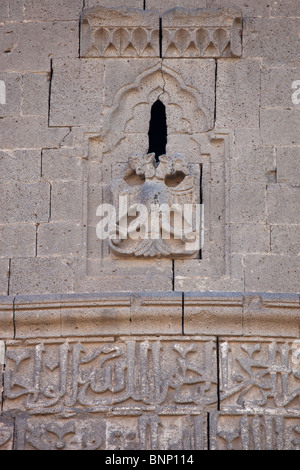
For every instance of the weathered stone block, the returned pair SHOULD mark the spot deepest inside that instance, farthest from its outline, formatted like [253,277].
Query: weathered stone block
[250,431]
[248,203]
[75,96]
[280,126]
[35,94]
[62,164]
[247,370]
[113,432]
[250,8]
[252,163]
[201,33]
[59,238]
[212,313]
[286,8]
[119,32]
[250,238]
[129,374]
[276,87]
[238,93]
[17,240]
[30,132]
[66,201]
[4,274]
[62,10]
[169,4]
[37,316]
[13,94]
[283,204]
[268,39]
[271,273]
[41,275]
[271,315]
[288,165]
[6,321]
[285,239]
[115,3]
[30,46]
[20,166]
[156,314]
[16,10]
[6,433]
[28,202]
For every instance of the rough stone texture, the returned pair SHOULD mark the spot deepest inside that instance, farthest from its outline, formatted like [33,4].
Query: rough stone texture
[283,204]
[62,164]
[262,271]
[250,238]
[30,46]
[7,322]
[285,239]
[24,202]
[6,433]
[201,33]
[169,4]
[250,431]
[32,275]
[115,3]
[276,86]
[20,166]
[66,201]
[62,10]
[76,83]
[13,88]
[64,238]
[250,8]
[248,203]
[280,126]
[274,40]
[4,275]
[255,163]
[30,132]
[35,94]
[238,88]
[119,32]
[288,165]
[17,240]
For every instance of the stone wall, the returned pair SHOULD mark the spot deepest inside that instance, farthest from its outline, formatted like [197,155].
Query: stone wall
[99,351]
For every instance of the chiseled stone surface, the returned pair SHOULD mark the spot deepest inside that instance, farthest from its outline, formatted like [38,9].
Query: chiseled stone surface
[101,352]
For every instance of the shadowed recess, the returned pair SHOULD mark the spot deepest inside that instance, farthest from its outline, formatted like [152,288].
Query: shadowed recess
[158,130]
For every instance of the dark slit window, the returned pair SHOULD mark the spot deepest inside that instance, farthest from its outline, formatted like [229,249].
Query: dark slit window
[158,130]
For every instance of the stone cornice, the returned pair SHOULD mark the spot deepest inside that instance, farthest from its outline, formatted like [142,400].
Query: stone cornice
[153,313]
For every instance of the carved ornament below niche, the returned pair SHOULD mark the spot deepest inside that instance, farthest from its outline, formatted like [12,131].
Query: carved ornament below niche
[157,210]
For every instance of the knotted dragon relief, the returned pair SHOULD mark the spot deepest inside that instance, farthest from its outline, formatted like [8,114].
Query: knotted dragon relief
[157,214]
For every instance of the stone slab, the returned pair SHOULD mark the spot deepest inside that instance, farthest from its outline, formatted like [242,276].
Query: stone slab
[288,165]
[62,10]
[66,201]
[285,239]
[238,93]
[250,8]
[59,238]
[247,370]
[36,88]
[250,238]
[253,163]
[4,276]
[63,164]
[6,318]
[75,96]
[13,94]
[283,204]
[113,432]
[271,273]
[41,275]
[17,240]
[277,87]
[248,203]
[20,166]
[267,38]
[29,46]
[30,133]
[170,4]
[253,431]
[27,202]
[213,313]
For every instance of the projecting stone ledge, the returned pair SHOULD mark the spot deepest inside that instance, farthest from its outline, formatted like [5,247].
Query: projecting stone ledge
[131,32]
[153,313]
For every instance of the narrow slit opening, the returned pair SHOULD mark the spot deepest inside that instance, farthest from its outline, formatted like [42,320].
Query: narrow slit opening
[158,130]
